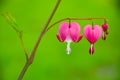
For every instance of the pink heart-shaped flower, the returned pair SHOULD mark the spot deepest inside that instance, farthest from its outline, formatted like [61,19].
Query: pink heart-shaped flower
[105,31]
[69,32]
[92,34]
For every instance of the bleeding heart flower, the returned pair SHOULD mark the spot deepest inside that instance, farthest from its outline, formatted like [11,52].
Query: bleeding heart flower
[105,31]
[92,34]
[105,27]
[69,32]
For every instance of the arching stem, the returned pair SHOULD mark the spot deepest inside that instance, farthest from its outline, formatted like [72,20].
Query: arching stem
[59,21]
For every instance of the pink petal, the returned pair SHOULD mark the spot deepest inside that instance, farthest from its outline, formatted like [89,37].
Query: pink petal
[59,38]
[74,31]
[88,33]
[97,32]
[79,38]
[92,34]
[64,30]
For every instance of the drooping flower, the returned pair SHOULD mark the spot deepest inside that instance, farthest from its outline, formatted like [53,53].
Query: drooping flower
[105,31]
[92,34]
[69,32]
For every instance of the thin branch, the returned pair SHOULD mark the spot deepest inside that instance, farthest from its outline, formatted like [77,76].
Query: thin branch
[23,46]
[44,30]
[73,19]
[11,21]
[30,60]
[14,25]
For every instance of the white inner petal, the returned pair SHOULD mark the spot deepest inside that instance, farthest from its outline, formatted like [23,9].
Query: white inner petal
[68,48]
[68,40]
[91,47]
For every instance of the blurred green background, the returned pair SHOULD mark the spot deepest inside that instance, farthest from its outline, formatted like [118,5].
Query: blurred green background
[51,61]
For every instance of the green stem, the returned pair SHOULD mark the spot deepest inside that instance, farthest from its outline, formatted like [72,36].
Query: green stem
[73,19]
[31,58]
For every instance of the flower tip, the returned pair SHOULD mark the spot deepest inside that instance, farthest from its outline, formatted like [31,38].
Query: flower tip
[68,51]
[104,36]
[91,50]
